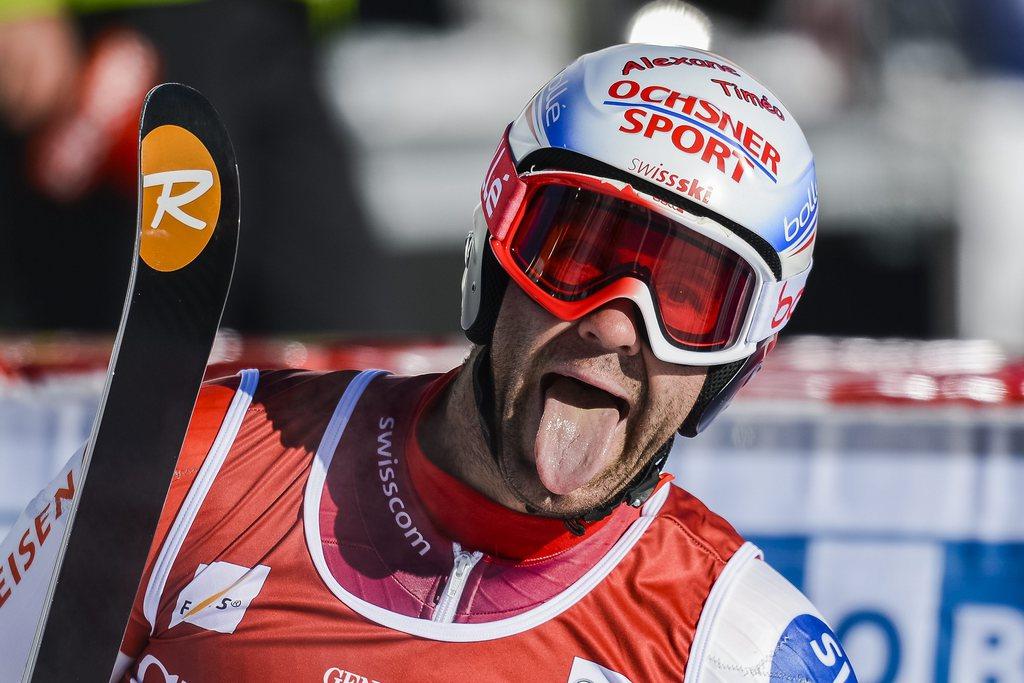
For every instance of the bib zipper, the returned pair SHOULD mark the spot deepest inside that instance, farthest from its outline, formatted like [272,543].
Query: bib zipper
[461,569]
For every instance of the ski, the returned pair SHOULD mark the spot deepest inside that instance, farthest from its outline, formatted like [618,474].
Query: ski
[186,239]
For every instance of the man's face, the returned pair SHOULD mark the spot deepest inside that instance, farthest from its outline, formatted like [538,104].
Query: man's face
[581,405]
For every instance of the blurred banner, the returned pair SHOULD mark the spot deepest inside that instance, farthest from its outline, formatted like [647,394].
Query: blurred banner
[882,478]
[905,526]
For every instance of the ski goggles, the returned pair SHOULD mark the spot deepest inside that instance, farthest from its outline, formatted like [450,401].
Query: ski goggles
[574,242]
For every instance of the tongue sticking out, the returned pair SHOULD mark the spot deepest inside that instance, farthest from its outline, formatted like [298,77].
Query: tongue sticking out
[575,435]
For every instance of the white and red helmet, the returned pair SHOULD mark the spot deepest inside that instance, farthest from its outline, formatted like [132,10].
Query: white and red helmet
[664,175]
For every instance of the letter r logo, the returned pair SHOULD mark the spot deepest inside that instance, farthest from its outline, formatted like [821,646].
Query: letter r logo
[181,197]
[166,203]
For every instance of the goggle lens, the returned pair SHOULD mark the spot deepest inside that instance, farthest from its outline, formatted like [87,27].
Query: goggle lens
[573,242]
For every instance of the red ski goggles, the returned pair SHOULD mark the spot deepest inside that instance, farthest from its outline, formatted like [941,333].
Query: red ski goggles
[574,242]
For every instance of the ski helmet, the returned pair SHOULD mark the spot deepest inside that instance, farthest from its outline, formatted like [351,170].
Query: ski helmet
[664,175]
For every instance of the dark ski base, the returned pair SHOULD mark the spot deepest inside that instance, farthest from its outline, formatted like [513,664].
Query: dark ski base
[163,344]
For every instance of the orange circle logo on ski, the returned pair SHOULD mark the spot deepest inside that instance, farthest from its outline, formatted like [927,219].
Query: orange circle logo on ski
[180,198]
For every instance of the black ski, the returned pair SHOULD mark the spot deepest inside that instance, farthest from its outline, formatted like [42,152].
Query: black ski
[186,238]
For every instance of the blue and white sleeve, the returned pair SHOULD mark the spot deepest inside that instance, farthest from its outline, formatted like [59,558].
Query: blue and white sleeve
[757,627]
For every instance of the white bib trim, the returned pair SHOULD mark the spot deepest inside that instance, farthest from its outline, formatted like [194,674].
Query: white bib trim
[425,628]
[197,493]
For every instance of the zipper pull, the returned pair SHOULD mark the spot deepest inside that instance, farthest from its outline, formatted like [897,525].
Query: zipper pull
[464,561]
[462,565]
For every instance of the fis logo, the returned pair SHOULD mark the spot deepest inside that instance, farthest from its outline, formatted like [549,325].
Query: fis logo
[217,598]
[181,197]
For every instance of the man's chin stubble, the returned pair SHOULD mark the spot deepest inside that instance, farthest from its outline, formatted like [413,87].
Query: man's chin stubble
[524,485]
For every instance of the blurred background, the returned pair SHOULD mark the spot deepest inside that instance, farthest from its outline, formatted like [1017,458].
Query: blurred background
[890,424]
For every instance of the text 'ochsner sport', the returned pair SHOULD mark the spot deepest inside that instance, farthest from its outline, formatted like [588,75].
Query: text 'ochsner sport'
[695,126]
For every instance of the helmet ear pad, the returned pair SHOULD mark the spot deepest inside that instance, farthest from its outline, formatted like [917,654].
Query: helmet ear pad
[721,385]
[491,290]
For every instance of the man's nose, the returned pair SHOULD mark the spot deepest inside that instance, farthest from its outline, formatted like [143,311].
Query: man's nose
[614,327]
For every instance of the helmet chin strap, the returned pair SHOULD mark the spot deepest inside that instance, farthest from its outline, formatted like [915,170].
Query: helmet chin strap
[635,493]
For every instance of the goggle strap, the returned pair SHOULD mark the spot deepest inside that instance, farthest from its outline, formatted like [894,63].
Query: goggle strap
[776,304]
[503,191]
